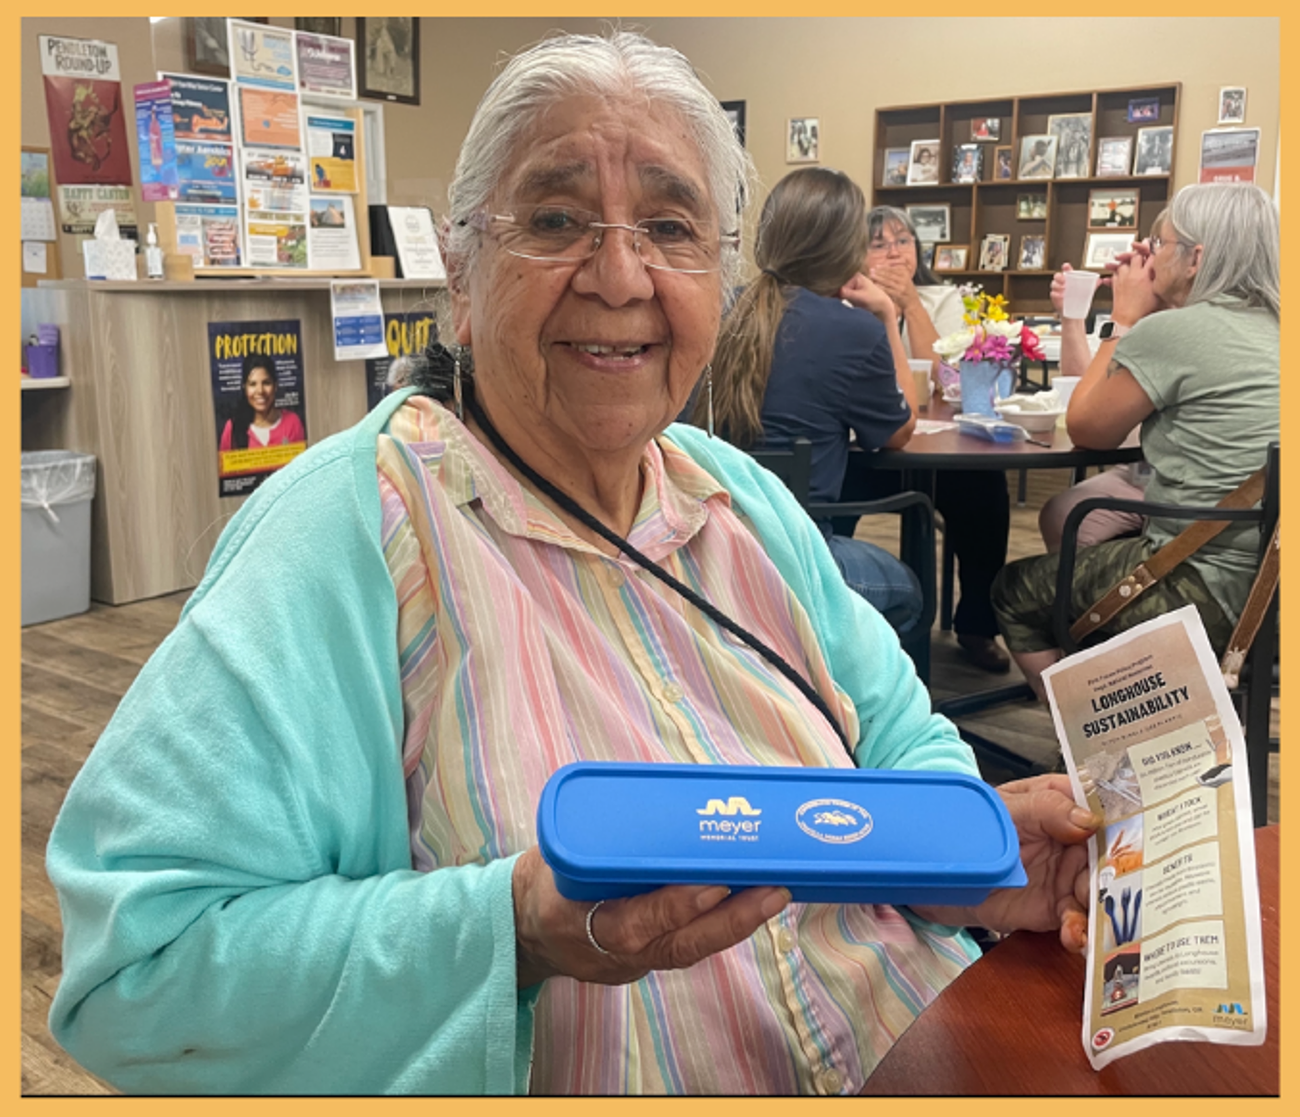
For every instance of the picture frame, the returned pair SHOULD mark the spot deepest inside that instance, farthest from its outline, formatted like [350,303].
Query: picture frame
[1003,169]
[1101,248]
[802,139]
[388,59]
[994,250]
[986,128]
[207,44]
[927,254]
[1031,207]
[1143,110]
[1113,209]
[735,111]
[1073,132]
[319,25]
[923,163]
[896,161]
[1037,156]
[951,257]
[1033,252]
[1232,104]
[1114,156]
[1229,155]
[967,162]
[1155,150]
[933,224]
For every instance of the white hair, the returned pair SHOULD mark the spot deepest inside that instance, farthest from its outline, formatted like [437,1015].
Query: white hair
[1236,225]
[618,65]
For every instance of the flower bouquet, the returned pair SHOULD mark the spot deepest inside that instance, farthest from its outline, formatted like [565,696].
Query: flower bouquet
[981,356]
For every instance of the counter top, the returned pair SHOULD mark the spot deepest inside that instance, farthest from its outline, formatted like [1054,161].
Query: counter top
[242,284]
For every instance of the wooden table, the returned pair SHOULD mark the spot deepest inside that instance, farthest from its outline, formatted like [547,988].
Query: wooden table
[1011,1024]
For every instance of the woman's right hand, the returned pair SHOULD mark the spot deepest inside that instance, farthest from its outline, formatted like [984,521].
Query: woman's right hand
[671,928]
[1057,291]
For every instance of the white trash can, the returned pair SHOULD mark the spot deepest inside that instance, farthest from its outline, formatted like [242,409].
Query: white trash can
[58,487]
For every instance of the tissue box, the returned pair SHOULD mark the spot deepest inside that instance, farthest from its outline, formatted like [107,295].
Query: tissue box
[830,835]
[109,259]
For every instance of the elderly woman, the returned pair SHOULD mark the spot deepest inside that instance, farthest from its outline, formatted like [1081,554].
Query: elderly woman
[1191,354]
[975,505]
[308,864]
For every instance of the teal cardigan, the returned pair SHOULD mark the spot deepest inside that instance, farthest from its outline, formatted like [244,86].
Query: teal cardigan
[233,864]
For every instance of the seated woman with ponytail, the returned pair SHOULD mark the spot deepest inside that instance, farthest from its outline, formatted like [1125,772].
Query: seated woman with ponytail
[798,358]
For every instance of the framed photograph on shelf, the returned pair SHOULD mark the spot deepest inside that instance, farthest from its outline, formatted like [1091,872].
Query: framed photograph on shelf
[1031,207]
[1073,132]
[1113,209]
[994,250]
[896,160]
[319,25]
[735,111]
[1032,252]
[1102,248]
[1143,110]
[1232,104]
[1037,156]
[951,257]
[802,136]
[927,254]
[986,128]
[967,162]
[1002,166]
[1155,150]
[923,163]
[388,59]
[1114,156]
[933,223]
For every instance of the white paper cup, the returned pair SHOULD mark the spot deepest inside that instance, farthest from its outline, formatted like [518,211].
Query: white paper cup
[924,385]
[1079,286]
[1064,385]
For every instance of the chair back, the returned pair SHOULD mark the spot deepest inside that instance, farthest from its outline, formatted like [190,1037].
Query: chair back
[793,466]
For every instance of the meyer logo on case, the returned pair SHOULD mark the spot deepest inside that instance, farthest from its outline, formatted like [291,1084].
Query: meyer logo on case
[737,804]
[836,821]
[744,829]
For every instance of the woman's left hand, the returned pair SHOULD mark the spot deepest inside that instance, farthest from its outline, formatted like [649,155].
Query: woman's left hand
[897,283]
[1053,831]
[862,292]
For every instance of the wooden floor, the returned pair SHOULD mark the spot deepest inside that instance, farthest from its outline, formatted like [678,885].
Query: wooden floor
[75,671]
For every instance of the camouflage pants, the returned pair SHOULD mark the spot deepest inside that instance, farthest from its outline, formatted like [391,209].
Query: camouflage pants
[1023,593]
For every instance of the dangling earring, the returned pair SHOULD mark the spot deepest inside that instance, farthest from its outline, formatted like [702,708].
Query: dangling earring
[708,388]
[456,387]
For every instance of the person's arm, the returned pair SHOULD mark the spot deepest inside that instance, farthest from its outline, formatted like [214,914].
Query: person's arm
[863,293]
[1075,352]
[922,332]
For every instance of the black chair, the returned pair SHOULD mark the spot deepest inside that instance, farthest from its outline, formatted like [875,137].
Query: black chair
[1259,681]
[794,467]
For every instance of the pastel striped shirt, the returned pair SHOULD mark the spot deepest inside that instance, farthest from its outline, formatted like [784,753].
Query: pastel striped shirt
[523,648]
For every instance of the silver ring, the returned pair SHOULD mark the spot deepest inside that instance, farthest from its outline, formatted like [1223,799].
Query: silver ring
[591,938]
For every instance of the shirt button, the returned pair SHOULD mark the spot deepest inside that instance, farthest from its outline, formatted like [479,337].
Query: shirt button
[672,692]
[785,941]
[832,1082]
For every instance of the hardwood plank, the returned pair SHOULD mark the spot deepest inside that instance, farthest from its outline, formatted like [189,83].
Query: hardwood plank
[74,700]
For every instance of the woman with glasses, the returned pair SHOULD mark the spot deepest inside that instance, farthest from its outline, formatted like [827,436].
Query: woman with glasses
[308,863]
[975,506]
[1191,354]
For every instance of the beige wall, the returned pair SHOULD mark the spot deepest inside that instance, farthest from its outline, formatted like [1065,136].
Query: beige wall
[839,70]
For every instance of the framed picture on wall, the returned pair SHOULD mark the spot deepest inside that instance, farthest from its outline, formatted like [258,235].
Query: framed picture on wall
[1073,132]
[388,59]
[895,166]
[1114,156]
[207,48]
[1232,104]
[319,25]
[1113,209]
[951,257]
[802,138]
[735,111]
[1102,248]
[1155,151]
[933,223]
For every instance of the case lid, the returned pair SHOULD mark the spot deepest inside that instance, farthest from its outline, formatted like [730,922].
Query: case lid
[687,824]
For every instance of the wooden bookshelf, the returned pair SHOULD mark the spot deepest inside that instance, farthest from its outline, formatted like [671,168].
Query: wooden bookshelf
[989,206]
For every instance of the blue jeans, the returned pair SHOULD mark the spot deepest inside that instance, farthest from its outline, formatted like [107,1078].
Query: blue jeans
[885,582]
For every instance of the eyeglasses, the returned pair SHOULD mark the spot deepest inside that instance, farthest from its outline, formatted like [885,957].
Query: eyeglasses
[565,235]
[882,245]
[1154,243]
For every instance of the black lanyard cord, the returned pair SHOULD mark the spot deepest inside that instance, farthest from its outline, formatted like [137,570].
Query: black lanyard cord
[711,611]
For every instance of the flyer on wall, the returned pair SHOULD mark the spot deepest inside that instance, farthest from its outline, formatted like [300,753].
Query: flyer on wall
[275,181]
[38,222]
[404,335]
[277,240]
[1229,154]
[332,235]
[326,67]
[1153,745]
[417,243]
[257,395]
[206,172]
[331,147]
[82,205]
[261,55]
[200,108]
[358,318]
[156,142]
[87,117]
[268,118]
[209,234]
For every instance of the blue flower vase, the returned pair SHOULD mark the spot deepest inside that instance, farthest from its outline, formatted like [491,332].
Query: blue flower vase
[982,382]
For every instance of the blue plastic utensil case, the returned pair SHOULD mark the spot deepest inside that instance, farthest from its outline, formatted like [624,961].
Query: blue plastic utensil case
[830,835]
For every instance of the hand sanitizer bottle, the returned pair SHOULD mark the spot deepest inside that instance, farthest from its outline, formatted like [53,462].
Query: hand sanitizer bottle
[153,255]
